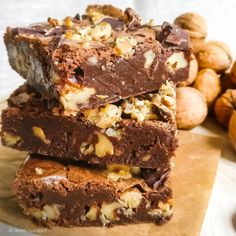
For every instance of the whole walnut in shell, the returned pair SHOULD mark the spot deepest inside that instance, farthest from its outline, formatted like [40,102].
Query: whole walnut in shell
[232,130]
[233,73]
[191,107]
[226,82]
[225,106]
[214,55]
[193,70]
[193,23]
[196,27]
[196,44]
[208,83]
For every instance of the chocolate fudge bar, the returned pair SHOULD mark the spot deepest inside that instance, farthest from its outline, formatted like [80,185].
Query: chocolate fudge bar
[99,58]
[139,131]
[53,193]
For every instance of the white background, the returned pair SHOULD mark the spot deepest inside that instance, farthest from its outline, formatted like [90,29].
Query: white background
[221,18]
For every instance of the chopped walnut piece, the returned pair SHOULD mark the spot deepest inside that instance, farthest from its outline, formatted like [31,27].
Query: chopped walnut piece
[132,18]
[146,157]
[163,209]
[38,171]
[138,109]
[124,45]
[38,132]
[149,58]
[155,212]
[102,96]
[68,22]
[164,206]
[50,212]
[176,61]
[114,132]
[152,106]
[52,21]
[117,172]
[104,146]
[10,139]
[92,213]
[93,61]
[86,148]
[131,198]
[102,30]
[72,96]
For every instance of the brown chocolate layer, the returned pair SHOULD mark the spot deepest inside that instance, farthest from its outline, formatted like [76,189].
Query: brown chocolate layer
[97,60]
[147,144]
[28,125]
[53,193]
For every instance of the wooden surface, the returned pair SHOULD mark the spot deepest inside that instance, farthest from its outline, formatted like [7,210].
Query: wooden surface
[192,180]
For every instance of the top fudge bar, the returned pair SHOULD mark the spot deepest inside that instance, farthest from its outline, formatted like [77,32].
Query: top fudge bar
[99,58]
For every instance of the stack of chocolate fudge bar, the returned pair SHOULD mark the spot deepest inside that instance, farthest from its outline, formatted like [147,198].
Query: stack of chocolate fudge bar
[97,116]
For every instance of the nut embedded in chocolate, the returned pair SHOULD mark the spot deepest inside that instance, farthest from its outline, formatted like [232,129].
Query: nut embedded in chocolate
[72,195]
[99,46]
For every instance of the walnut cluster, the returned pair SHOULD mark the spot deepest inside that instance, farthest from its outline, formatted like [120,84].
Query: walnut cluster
[101,148]
[213,74]
[126,204]
[95,27]
[159,105]
[117,172]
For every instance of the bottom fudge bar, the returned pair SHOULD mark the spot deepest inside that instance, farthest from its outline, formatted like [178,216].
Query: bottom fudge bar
[53,193]
[107,135]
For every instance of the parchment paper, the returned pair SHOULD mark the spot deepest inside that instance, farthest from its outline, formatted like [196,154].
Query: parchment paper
[192,178]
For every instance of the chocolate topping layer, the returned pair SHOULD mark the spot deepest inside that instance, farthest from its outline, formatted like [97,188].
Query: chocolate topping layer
[99,59]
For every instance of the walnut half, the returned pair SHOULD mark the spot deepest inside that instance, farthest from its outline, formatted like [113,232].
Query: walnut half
[38,132]
[50,212]
[104,146]
[10,139]
[108,212]
[71,97]
[92,213]
[131,198]
[104,117]
[116,172]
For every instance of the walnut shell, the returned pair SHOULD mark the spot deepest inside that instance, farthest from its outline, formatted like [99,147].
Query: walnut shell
[225,106]
[226,82]
[232,130]
[214,55]
[193,23]
[193,70]
[208,83]
[196,44]
[233,73]
[191,107]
